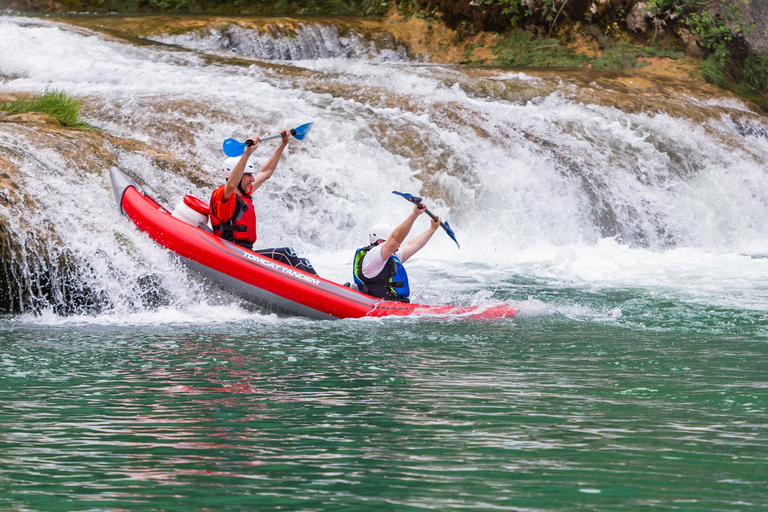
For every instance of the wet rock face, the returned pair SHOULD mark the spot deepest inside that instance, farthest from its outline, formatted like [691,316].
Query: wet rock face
[36,275]
[36,271]
[39,270]
[636,20]
[756,13]
[753,13]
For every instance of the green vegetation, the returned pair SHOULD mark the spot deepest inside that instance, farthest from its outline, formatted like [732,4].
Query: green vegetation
[721,29]
[715,67]
[756,73]
[54,103]
[720,34]
[521,49]
[623,54]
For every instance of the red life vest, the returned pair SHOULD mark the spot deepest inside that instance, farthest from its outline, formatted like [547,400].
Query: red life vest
[241,227]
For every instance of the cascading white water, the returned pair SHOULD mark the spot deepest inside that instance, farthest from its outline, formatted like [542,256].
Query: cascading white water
[310,41]
[538,180]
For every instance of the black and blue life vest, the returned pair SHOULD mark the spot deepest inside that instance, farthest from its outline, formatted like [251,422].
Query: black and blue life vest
[390,284]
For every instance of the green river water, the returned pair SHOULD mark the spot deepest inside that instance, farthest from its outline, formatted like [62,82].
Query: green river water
[531,414]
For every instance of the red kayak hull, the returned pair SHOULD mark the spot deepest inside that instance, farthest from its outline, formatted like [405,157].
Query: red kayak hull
[266,281]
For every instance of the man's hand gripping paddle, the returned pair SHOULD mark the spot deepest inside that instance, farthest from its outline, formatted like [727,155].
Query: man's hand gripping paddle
[444,225]
[234,147]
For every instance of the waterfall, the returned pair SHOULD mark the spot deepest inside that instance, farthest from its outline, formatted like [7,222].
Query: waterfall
[309,41]
[562,178]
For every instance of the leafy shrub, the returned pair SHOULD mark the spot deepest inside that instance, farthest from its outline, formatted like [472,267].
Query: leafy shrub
[471,16]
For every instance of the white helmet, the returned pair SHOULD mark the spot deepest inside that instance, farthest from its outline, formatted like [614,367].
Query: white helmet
[380,232]
[229,164]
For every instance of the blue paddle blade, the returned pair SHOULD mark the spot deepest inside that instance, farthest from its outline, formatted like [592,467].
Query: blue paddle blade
[409,197]
[300,132]
[450,233]
[233,147]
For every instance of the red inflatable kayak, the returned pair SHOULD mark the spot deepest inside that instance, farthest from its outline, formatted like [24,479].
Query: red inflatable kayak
[262,280]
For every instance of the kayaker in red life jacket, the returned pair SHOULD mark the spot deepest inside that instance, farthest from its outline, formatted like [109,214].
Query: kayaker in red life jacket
[378,268]
[232,213]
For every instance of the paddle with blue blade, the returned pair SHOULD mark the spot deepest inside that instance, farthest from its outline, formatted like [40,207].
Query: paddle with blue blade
[444,225]
[234,147]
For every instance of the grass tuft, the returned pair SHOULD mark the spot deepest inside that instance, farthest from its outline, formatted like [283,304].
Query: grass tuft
[715,67]
[52,102]
[521,49]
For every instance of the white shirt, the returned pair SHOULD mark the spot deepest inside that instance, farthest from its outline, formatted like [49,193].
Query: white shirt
[372,264]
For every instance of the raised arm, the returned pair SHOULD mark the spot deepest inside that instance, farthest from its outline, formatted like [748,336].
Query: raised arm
[392,243]
[237,173]
[415,244]
[269,168]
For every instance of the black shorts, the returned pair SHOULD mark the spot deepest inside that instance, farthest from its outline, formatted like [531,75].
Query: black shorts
[288,256]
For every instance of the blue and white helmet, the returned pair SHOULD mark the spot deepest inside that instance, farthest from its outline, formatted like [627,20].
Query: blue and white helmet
[229,165]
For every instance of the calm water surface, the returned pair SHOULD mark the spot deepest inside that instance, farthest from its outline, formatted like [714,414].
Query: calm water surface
[539,413]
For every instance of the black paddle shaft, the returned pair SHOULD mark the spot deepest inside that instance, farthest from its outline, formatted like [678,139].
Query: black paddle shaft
[249,142]
[417,200]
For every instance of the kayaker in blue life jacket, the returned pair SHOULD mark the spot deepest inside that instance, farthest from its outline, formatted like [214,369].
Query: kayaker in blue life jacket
[233,215]
[378,268]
